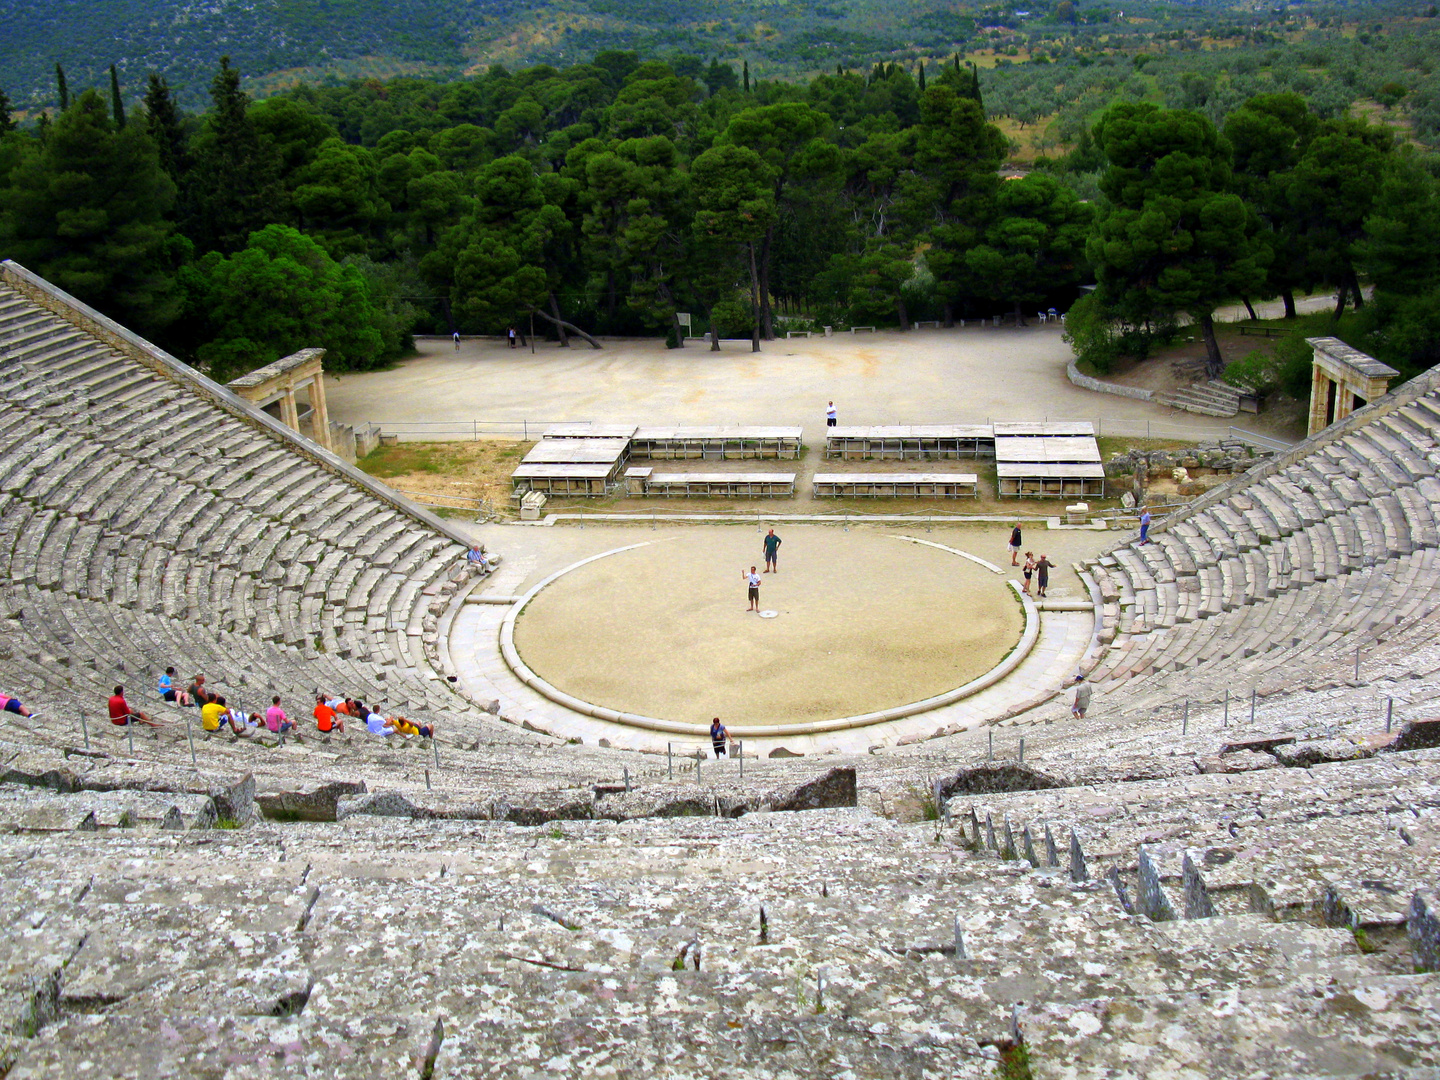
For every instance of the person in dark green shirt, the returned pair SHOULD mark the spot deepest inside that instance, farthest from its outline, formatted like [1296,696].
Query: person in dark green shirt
[772,552]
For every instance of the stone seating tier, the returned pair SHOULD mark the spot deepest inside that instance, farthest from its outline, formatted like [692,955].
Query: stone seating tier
[145,527]
[386,946]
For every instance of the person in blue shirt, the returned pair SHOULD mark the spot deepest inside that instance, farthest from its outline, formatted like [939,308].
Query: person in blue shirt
[168,692]
[718,737]
[1145,527]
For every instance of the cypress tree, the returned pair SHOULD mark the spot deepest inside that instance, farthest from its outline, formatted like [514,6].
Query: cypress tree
[230,185]
[7,122]
[162,117]
[64,89]
[839,71]
[975,87]
[746,76]
[117,102]
[920,76]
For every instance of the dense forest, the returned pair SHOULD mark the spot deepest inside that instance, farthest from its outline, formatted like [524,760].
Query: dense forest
[604,197]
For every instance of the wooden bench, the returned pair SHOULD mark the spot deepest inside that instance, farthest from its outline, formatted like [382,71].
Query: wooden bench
[897,485]
[765,485]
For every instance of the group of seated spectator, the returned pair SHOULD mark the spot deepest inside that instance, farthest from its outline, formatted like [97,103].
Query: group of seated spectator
[331,713]
[216,714]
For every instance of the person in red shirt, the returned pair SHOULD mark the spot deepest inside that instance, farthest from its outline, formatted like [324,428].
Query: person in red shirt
[326,719]
[121,713]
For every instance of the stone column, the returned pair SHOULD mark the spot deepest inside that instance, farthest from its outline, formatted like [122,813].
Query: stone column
[319,415]
[289,415]
[1319,401]
[1344,400]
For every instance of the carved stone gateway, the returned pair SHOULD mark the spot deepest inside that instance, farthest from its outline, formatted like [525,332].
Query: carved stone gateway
[1342,380]
[279,382]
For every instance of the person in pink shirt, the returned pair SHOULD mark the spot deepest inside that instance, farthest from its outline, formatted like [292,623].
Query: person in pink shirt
[275,718]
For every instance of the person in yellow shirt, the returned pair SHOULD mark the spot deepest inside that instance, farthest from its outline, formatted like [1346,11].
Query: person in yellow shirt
[215,713]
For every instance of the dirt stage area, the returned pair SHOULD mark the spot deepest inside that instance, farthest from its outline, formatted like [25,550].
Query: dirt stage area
[865,621]
[962,375]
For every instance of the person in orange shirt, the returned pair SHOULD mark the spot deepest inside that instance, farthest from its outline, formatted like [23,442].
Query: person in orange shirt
[326,718]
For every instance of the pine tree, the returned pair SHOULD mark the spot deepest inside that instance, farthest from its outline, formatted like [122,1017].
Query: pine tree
[746,76]
[64,89]
[7,122]
[117,102]
[163,120]
[90,212]
[230,189]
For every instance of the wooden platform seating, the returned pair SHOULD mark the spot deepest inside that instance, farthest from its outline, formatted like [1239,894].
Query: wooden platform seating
[910,441]
[742,485]
[721,443]
[897,485]
[1050,479]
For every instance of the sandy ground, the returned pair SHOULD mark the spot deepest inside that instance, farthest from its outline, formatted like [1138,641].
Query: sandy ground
[865,620]
[969,375]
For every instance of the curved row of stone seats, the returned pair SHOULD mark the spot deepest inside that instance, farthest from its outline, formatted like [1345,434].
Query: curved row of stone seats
[457,949]
[1341,843]
[1331,547]
[146,525]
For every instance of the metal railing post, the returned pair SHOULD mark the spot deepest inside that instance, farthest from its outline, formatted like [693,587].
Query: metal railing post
[130,733]
[1225,719]
[190,735]
[1021,759]
[740,745]
[85,729]
[670,759]
[1252,705]
[1389,707]
[1185,719]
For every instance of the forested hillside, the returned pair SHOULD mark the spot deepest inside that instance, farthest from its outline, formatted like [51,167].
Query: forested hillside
[606,197]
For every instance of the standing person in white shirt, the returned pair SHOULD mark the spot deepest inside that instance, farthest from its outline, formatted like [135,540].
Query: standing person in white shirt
[831,416]
[753,580]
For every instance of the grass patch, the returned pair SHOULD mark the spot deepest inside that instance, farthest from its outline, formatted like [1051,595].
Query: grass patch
[231,823]
[478,469]
[412,457]
[1110,445]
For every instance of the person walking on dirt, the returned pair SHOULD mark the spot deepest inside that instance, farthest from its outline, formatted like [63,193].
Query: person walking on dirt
[1015,543]
[772,552]
[831,416]
[510,334]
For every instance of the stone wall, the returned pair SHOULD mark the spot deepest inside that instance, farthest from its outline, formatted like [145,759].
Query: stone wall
[1085,382]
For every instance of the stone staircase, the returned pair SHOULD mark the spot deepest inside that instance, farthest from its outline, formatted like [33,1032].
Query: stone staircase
[1212,398]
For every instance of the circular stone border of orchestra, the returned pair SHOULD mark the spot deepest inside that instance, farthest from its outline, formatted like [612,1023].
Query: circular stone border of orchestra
[1030,632]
